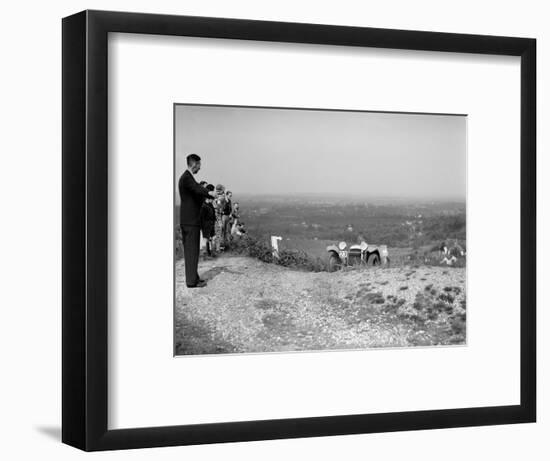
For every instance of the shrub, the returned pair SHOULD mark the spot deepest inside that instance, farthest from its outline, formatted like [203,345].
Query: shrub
[301,260]
[421,302]
[261,250]
[375,298]
[458,326]
[447,297]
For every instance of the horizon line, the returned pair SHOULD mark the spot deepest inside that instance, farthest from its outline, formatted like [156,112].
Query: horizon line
[350,194]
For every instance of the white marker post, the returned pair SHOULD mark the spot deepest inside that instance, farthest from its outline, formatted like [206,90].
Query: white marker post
[275,246]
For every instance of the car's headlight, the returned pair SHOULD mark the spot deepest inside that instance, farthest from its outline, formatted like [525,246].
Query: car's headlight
[342,245]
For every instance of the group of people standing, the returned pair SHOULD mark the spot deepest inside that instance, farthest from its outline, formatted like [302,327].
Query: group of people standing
[219,219]
[207,210]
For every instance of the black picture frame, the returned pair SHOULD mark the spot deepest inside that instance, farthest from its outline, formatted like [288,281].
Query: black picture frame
[85,224]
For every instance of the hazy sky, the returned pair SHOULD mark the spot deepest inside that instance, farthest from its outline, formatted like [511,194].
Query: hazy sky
[285,151]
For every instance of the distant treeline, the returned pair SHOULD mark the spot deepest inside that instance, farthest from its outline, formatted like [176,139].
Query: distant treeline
[391,231]
[396,226]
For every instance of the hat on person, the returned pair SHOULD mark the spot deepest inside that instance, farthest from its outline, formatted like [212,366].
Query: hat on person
[220,188]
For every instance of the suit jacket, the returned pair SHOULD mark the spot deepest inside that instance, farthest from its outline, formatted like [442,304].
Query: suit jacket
[192,194]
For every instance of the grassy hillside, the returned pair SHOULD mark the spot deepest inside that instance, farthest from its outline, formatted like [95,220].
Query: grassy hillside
[413,231]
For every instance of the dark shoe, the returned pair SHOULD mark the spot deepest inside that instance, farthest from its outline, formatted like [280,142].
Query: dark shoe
[200,284]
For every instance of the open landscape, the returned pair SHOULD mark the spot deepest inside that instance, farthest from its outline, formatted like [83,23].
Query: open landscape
[255,303]
[414,230]
[350,229]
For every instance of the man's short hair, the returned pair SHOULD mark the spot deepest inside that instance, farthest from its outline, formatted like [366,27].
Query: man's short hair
[192,159]
[229,192]
[210,187]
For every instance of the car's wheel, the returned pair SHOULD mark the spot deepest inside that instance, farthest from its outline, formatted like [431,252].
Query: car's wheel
[334,263]
[373,259]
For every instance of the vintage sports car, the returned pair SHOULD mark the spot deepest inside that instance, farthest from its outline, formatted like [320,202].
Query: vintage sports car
[340,256]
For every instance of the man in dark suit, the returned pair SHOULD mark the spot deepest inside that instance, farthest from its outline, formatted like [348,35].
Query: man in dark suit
[192,195]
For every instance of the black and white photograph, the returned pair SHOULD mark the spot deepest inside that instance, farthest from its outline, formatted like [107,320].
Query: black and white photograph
[275,230]
[316,230]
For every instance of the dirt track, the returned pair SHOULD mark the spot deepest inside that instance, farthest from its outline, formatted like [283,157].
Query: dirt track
[251,306]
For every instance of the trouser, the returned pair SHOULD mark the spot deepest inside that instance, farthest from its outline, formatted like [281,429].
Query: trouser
[226,228]
[218,238]
[191,242]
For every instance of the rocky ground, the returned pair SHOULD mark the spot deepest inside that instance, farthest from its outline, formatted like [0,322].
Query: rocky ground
[252,306]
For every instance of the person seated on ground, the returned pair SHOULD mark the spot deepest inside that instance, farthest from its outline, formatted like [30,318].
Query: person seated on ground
[449,261]
[207,219]
[235,229]
[238,229]
[456,249]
